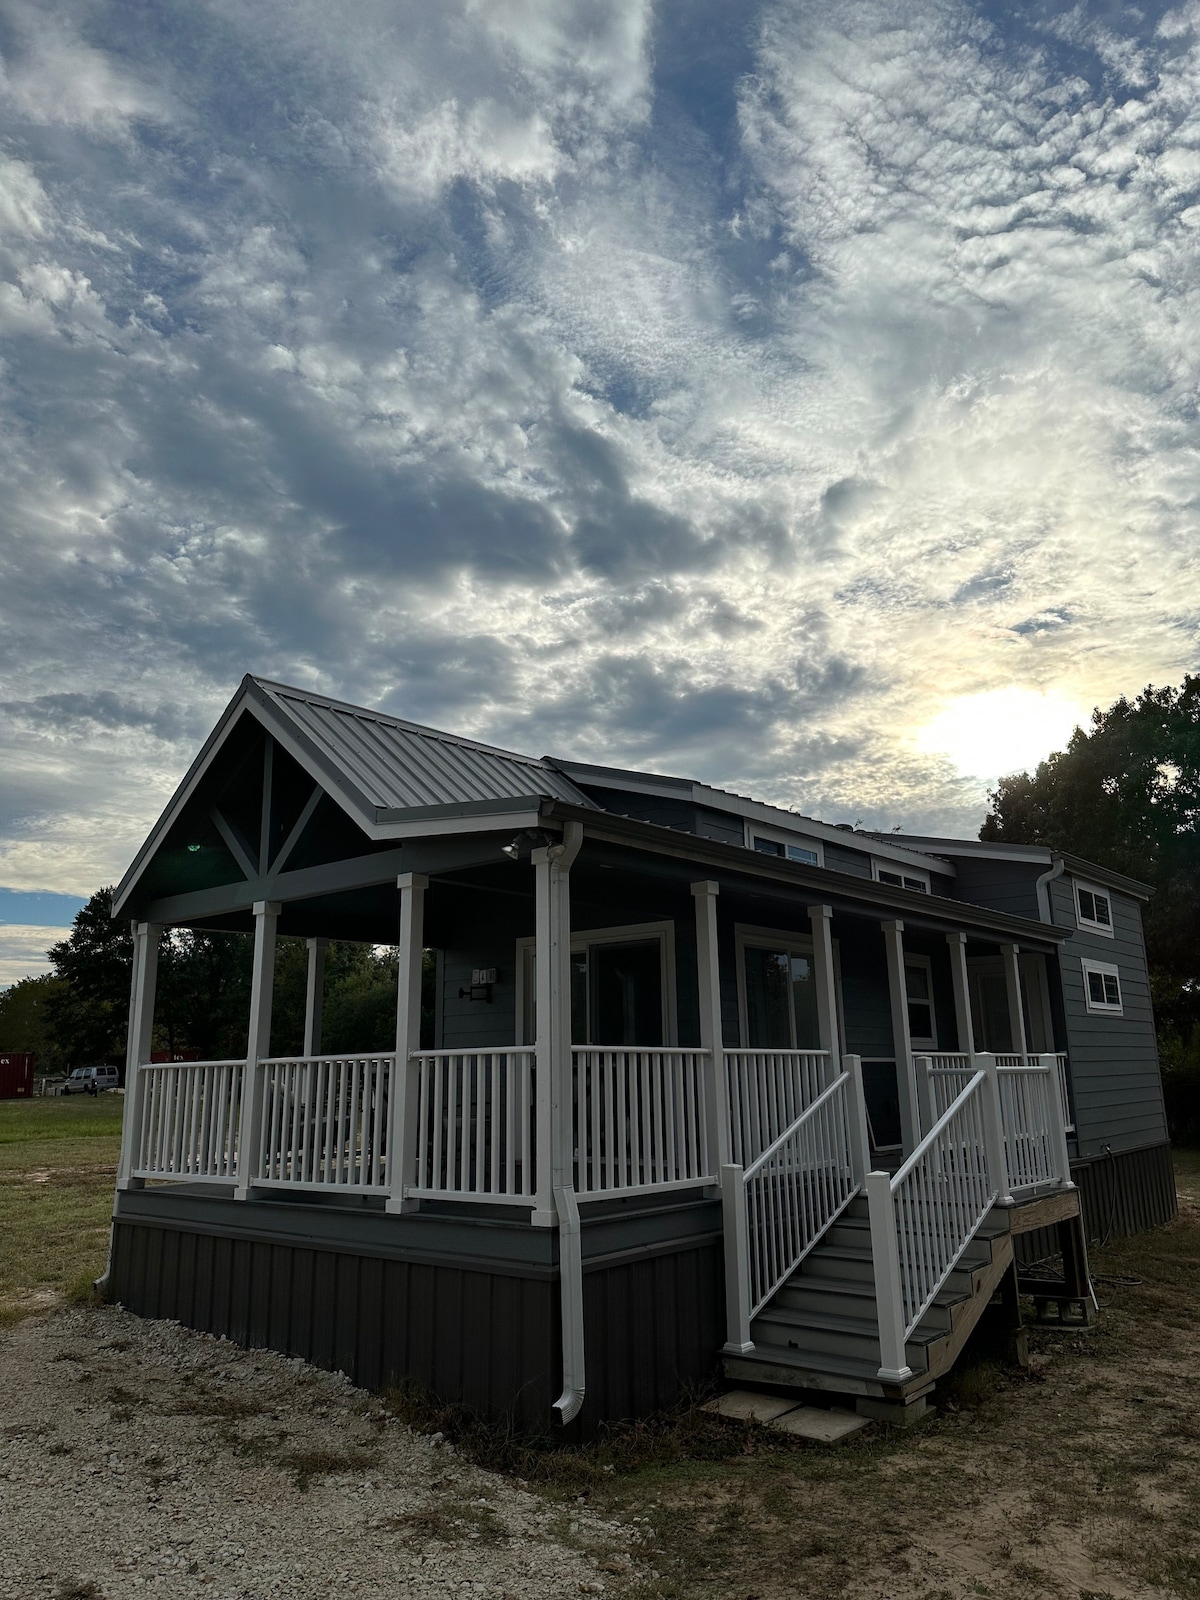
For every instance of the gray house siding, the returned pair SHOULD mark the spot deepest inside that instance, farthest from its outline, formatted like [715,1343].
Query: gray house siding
[1115,1080]
[1001,885]
[839,859]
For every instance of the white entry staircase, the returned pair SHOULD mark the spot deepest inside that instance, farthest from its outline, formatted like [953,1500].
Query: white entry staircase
[868,1282]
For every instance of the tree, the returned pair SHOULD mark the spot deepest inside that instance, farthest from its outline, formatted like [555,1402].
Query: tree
[89,1012]
[1126,794]
[25,1020]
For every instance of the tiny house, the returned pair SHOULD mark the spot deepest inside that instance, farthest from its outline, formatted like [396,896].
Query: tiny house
[709,1085]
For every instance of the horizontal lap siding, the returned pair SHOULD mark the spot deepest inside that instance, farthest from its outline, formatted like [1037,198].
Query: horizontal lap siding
[1113,1061]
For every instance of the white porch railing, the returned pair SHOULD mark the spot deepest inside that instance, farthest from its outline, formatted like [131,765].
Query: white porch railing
[190,1114]
[947,1076]
[780,1206]
[923,1218]
[768,1089]
[324,1122]
[1034,1114]
[1031,1117]
[640,1120]
[476,1132]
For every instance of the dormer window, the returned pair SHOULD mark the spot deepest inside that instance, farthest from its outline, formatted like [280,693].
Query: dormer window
[1093,910]
[900,879]
[780,845]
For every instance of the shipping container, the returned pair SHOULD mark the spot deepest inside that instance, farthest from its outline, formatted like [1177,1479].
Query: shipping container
[16,1074]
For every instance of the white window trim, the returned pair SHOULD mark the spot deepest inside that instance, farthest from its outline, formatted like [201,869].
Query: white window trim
[904,871]
[1108,970]
[1085,923]
[779,939]
[922,1042]
[581,938]
[764,830]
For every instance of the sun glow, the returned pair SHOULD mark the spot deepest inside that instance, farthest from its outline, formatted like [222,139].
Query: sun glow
[1000,731]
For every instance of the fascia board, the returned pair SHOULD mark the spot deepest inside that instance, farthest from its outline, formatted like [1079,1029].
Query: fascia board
[1112,880]
[183,792]
[704,794]
[456,822]
[1040,854]
[614,778]
[980,848]
[905,904]
[777,817]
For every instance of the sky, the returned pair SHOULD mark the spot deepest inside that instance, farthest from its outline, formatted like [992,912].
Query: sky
[797,396]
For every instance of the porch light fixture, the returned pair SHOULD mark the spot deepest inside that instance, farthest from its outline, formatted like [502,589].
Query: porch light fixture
[522,845]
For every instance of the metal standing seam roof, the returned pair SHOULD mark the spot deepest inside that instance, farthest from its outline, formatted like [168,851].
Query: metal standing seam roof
[396,764]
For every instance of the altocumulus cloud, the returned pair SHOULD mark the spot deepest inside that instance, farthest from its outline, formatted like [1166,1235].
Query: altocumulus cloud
[727,389]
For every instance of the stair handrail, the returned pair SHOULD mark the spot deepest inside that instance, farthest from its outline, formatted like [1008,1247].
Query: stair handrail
[907,1278]
[748,1282]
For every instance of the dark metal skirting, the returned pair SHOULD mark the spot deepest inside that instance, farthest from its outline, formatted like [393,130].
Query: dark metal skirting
[1119,1195]
[484,1337]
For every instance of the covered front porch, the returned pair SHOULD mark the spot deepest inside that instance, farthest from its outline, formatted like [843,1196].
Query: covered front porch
[612,1036]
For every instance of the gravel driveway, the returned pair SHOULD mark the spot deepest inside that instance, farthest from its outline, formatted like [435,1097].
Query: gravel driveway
[142,1459]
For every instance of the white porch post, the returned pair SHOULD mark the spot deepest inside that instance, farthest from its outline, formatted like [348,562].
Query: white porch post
[314,1000]
[402,1099]
[262,992]
[906,1087]
[712,1038]
[552,885]
[993,1129]
[146,936]
[957,943]
[1016,1011]
[820,919]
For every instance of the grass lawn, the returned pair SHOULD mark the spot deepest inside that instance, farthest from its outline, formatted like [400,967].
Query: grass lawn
[58,1163]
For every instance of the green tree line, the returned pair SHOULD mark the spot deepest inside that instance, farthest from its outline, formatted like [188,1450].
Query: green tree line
[78,1013]
[1125,793]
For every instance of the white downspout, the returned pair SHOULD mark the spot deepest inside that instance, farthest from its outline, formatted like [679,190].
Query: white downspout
[570,1249]
[1043,888]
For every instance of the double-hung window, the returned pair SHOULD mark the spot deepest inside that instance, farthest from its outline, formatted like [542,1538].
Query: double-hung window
[1093,909]
[918,986]
[1102,988]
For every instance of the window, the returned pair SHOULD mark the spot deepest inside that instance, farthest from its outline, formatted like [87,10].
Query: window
[1102,988]
[1093,910]
[918,985]
[622,987]
[780,846]
[777,990]
[899,879]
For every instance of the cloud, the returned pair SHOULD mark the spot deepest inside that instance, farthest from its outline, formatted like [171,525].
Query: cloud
[23,950]
[638,383]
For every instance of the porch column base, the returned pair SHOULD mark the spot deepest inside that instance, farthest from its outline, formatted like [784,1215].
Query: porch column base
[401,1206]
[544,1219]
[125,1184]
[894,1374]
[730,1349]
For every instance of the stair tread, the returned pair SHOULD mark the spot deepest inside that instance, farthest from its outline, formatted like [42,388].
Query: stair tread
[813,1361]
[856,1289]
[827,1322]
